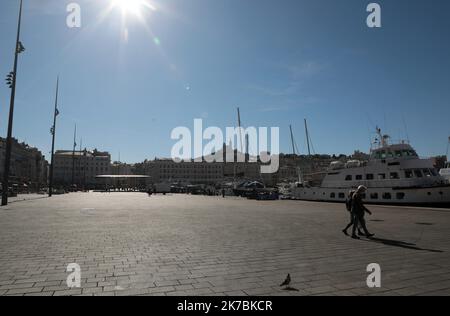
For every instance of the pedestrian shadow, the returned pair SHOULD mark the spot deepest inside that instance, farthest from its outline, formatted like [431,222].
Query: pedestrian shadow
[401,244]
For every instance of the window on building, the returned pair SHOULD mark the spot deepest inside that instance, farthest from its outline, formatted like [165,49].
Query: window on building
[400,196]
[374,196]
[333,195]
[359,177]
[348,178]
[342,195]
[369,176]
[387,196]
[381,176]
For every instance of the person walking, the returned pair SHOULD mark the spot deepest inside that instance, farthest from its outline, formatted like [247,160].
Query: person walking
[348,205]
[358,211]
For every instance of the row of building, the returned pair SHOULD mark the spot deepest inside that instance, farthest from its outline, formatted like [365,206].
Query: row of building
[30,169]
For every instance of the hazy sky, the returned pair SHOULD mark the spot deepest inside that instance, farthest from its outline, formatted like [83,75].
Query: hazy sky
[127,84]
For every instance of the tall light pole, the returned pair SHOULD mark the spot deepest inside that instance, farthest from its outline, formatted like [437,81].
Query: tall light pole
[80,157]
[11,80]
[53,132]
[73,155]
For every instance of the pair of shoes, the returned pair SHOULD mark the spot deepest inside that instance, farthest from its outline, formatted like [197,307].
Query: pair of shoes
[361,234]
[370,235]
[345,232]
[355,237]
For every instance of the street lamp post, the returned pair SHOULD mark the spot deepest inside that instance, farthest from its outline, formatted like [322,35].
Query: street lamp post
[11,80]
[73,155]
[53,132]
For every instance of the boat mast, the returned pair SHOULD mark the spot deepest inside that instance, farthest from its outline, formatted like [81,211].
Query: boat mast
[307,138]
[240,141]
[292,140]
[240,131]
[294,151]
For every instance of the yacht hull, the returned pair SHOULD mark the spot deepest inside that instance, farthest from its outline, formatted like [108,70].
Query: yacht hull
[438,196]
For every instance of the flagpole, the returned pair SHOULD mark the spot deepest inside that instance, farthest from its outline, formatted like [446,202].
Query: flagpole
[53,130]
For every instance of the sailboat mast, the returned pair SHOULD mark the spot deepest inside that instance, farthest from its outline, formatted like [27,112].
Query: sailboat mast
[240,131]
[292,140]
[307,138]
[294,151]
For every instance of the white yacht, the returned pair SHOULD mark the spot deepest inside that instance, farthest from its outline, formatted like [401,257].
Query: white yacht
[394,174]
[445,172]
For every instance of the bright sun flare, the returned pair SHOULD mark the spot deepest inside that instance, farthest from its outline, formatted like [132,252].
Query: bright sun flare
[130,6]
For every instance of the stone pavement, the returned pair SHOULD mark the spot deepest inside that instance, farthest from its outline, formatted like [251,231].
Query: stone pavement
[130,244]
[25,197]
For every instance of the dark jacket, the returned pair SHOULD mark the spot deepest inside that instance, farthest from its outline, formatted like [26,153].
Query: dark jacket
[358,207]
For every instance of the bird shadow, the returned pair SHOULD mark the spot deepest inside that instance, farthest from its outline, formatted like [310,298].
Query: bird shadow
[401,244]
[291,289]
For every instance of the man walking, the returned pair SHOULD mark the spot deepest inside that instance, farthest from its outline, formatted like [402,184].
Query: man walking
[358,211]
[348,205]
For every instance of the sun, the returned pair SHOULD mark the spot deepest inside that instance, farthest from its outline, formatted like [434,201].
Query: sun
[130,6]
[139,10]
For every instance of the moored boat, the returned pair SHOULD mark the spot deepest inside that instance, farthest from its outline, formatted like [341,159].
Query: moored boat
[394,174]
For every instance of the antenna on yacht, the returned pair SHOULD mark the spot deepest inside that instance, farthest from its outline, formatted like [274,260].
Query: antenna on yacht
[406,129]
[448,147]
[382,140]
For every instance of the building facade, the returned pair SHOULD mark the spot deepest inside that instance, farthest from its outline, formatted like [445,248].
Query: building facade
[120,168]
[28,167]
[80,168]
[166,170]
[232,166]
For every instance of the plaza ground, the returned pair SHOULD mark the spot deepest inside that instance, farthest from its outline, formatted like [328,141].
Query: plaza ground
[132,244]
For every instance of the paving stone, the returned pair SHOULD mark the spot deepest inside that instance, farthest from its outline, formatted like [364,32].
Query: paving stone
[195,245]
